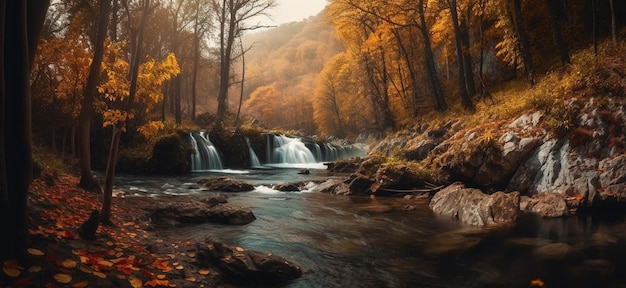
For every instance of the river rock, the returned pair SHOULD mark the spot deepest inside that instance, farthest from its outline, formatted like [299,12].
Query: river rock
[225,184]
[185,210]
[290,187]
[472,206]
[247,267]
[613,179]
[360,184]
[546,205]
[334,186]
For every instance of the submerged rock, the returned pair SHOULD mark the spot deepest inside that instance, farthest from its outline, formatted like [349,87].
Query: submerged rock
[243,266]
[290,187]
[185,210]
[225,184]
[472,206]
[553,252]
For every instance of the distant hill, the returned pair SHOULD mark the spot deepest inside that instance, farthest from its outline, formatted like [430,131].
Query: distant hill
[281,71]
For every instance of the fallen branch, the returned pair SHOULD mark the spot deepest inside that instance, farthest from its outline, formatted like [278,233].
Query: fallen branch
[427,190]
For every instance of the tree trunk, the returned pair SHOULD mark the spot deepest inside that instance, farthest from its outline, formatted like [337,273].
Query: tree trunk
[105,212]
[431,68]
[227,35]
[407,58]
[524,43]
[196,62]
[465,97]
[19,23]
[243,78]
[87,180]
[178,114]
[613,32]
[556,32]
[467,58]
[594,29]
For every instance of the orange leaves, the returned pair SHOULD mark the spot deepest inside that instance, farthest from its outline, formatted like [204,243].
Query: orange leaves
[63,278]
[34,252]
[157,282]
[162,265]
[537,283]
[11,269]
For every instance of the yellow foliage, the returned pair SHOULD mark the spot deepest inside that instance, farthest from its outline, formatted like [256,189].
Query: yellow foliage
[116,90]
[151,129]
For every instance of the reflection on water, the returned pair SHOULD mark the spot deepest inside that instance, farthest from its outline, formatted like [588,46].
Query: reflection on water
[374,242]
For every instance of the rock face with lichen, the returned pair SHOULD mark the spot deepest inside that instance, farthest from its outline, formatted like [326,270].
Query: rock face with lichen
[585,167]
[472,206]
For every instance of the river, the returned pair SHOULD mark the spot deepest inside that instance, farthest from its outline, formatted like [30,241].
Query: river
[343,241]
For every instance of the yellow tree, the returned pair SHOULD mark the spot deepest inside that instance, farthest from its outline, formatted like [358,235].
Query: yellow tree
[58,79]
[327,95]
[123,96]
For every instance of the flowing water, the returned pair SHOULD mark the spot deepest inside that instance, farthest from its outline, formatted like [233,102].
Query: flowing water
[343,241]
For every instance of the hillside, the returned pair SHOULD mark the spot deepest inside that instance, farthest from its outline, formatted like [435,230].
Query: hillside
[564,137]
[283,64]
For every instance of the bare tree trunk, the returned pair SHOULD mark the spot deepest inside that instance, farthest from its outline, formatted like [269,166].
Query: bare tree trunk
[465,97]
[523,42]
[613,32]
[556,32]
[431,68]
[595,29]
[16,152]
[87,181]
[243,78]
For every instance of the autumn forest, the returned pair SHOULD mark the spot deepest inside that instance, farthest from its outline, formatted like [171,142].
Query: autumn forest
[86,79]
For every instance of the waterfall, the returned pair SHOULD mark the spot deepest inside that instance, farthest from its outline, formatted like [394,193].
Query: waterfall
[318,153]
[206,156]
[291,151]
[331,152]
[254,160]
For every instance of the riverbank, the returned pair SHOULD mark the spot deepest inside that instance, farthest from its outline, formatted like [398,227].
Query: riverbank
[128,253]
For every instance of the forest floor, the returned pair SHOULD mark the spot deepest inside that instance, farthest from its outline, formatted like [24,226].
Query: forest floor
[125,254]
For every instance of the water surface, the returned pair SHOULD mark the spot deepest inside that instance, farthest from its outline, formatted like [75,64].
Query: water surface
[342,241]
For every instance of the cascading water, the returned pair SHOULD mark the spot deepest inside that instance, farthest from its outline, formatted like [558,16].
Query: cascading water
[206,156]
[331,152]
[291,151]
[254,160]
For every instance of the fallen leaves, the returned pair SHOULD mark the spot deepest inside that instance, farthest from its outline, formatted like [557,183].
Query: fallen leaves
[119,252]
[11,269]
[34,252]
[63,278]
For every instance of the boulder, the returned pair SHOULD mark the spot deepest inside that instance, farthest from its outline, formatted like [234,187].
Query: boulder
[473,207]
[547,205]
[360,184]
[334,186]
[613,179]
[246,267]
[290,187]
[183,210]
[225,184]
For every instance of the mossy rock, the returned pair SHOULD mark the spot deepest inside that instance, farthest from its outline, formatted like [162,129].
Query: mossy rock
[170,155]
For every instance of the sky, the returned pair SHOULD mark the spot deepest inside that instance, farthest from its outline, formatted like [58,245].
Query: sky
[295,10]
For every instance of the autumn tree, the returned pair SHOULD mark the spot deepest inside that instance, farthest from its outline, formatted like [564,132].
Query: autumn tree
[233,18]
[20,26]
[463,87]
[144,87]
[58,79]
[87,180]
